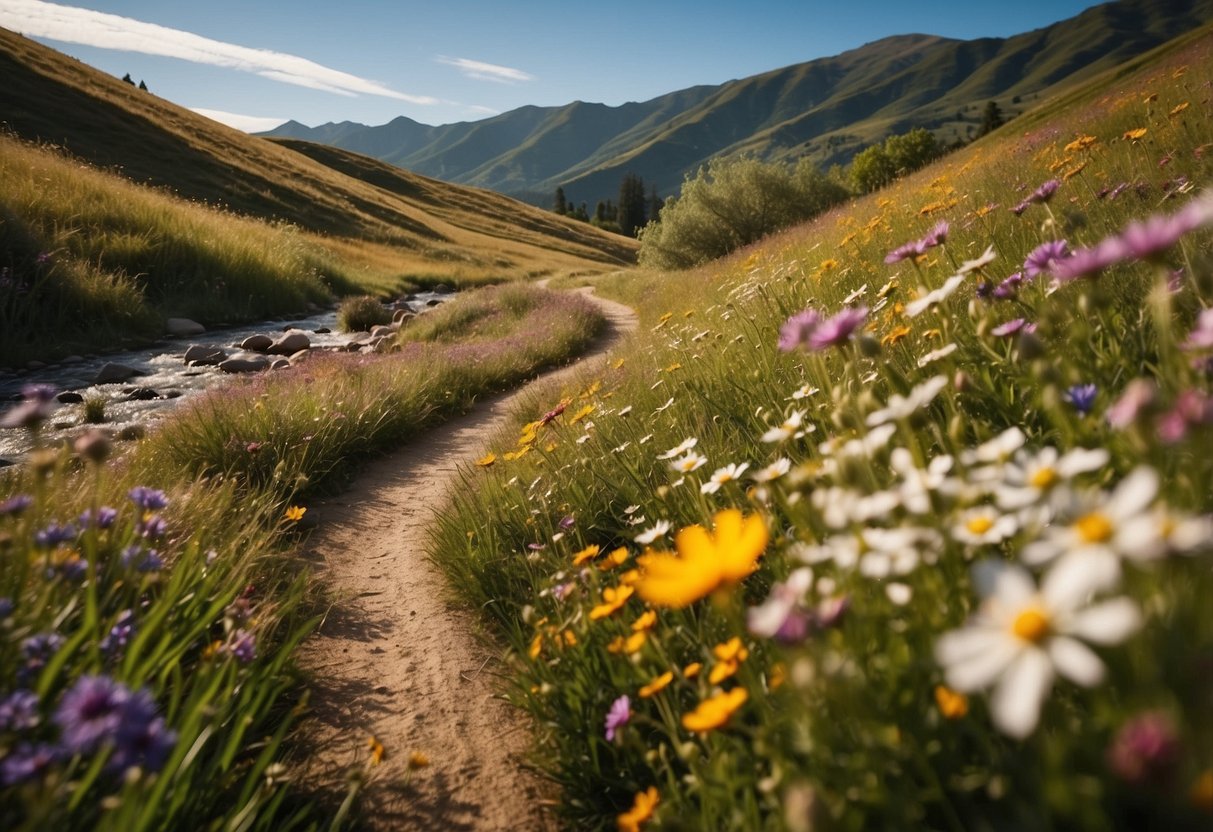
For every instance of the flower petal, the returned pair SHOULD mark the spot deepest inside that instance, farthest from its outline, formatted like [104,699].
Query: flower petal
[1016,703]
[1077,577]
[1011,583]
[974,658]
[1110,622]
[1076,661]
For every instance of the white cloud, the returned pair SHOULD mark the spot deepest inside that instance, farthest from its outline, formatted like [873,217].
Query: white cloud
[486,72]
[249,124]
[110,31]
[481,110]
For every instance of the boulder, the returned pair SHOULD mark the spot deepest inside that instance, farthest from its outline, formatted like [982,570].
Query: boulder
[69,397]
[172,394]
[382,331]
[142,394]
[182,327]
[280,364]
[244,363]
[442,289]
[324,330]
[290,343]
[132,432]
[401,316]
[433,302]
[111,373]
[257,343]
[300,356]
[204,355]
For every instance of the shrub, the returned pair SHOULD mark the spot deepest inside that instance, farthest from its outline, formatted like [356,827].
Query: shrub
[361,313]
[732,203]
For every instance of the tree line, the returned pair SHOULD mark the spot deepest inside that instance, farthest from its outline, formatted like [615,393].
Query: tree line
[631,213]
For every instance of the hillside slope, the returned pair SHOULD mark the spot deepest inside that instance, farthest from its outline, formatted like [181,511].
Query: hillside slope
[827,109]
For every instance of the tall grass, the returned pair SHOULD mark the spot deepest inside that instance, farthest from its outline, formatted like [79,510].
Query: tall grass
[891,473]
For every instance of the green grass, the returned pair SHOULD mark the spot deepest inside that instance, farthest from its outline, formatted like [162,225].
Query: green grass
[843,726]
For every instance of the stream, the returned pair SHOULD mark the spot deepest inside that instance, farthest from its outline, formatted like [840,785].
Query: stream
[164,379]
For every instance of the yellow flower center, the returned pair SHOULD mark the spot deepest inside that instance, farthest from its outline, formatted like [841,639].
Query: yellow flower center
[979,525]
[1043,478]
[1031,625]
[1094,528]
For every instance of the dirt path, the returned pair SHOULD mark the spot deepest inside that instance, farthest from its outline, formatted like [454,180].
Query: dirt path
[395,660]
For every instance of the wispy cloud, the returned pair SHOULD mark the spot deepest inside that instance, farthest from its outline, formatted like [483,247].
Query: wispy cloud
[486,72]
[481,110]
[110,31]
[249,124]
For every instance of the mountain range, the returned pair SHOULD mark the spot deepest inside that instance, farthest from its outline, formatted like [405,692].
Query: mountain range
[827,109]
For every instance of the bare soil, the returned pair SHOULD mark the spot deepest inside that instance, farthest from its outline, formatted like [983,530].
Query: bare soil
[397,660]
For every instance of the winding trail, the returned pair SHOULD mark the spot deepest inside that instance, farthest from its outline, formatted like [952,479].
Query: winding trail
[394,659]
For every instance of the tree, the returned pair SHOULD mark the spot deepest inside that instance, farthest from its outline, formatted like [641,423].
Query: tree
[128,79]
[142,85]
[581,213]
[559,204]
[655,205]
[991,119]
[880,164]
[631,205]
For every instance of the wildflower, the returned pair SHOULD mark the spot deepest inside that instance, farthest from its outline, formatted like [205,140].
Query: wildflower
[587,554]
[1031,477]
[657,530]
[148,499]
[143,739]
[1021,636]
[618,715]
[773,471]
[951,704]
[729,473]
[935,355]
[657,685]
[856,295]
[1045,192]
[1081,397]
[487,460]
[613,559]
[1012,327]
[1134,135]
[377,750]
[26,761]
[120,634]
[1201,336]
[804,391]
[705,562]
[715,711]
[646,621]
[729,657]
[15,505]
[19,711]
[679,449]
[567,522]
[144,560]
[38,403]
[418,760]
[1192,407]
[902,407]
[796,330]
[688,463]
[1009,287]
[295,513]
[783,609]
[613,598]
[1045,256]
[984,525]
[641,811]
[1099,524]
[1146,749]
[917,307]
[894,335]
[91,712]
[837,330]
[789,428]
[93,445]
[243,646]
[103,518]
[55,535]
[1138,395]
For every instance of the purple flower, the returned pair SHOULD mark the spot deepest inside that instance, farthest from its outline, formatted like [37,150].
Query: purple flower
[618,716]
[120,634]
[1145,750]
[1138,395]
[91,713]
[1081,397]
[830,611]
[1019,208]
[6,607]
[151,526]
[38,404]
[1009,288]
[1117,191]
[905,251]
[837,330]
[15,505]
[1201,336]
[1090,261]
[37,650]
[796,330]
[148,560]
[19,710]
[54,535]
[142,742]
[1045,255]
[567,522]
[243,646]
[1045,192]
[937,235]
[103,519]
[26,761]
[148,499]
[1192,407]
[1012,327]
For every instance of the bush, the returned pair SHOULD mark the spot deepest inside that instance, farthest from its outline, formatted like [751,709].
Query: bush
[880,164]
[361,313]
[733,203]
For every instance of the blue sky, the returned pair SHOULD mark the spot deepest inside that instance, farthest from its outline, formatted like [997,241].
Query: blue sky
[256,62]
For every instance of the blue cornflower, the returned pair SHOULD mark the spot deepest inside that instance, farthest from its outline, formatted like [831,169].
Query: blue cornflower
[19,710]
[148,499]
[55,535]
[26,761]
[1081,397]
[16,504]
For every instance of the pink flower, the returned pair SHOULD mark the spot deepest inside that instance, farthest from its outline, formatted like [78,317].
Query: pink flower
[618,716]
[837,330]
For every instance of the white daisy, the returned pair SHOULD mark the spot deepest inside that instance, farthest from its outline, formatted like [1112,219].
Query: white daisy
[658,529]
[867,445]
[728,473]
[773,471]
[897,551]
[1021,636]
[679,449]
[982,525]
[935,355]
[902,407]
[804,392]
[624,411]
[842,507]
[856,295]
[987,257]
[899,594]
[1162,531]
[790,428]
[916,307]
[918,484]
[1029,478]
[688,463]
[990,457]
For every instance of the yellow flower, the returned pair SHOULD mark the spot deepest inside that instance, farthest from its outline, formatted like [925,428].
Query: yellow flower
[846,239]
[657,685]
[581,414]
[1072,172]
[1201,793]
[536,646]
[376,751]
[628,644]
[570,638]
[641,811]
[588,553]
[1081,143]
[615,558]
[692,670]
[778,675]
[714,711]
[1178,108]
[418,760]
[951,704]
[1134,135]
[675,366]
[589,392]
[729,657]
[647,621]
[705,562]
[617,363]
[613,598]
[893,336]
[295,513]
[487,460]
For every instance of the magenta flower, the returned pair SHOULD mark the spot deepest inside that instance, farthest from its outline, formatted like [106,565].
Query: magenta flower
[1045,192]
[1138,395]
[1145,750]
[937,236]
[1201,336]
[1009,288]
[38,403]
[1045,255]
[618,716]
[905,251]
[1090,261]
[243,646]
[1192,407]
[837,330]
[1012,327]
[796,330]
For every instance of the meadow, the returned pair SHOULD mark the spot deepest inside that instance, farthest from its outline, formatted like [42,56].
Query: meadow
[898,519]
[151,603]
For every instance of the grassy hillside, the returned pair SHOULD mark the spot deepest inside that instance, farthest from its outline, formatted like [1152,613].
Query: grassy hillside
[868,537]
[121,209]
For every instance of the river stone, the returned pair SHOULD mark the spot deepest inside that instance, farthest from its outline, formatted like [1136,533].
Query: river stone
[442,289]
[111,373]
[324,330]
[172,394]
[142,394]
[69,397]
[381,330]
[433,302]
[280,364]
[400,316]
[132,432]
[257,343]
[244,364]
[290,343]
[180,327]
[204,354]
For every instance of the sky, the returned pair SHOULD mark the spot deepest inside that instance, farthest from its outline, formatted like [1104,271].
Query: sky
[254,64]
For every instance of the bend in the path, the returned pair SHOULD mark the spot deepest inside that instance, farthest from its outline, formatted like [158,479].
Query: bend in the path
[394,660]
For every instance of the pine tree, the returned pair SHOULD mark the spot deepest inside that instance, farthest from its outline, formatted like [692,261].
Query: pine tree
[655,204]
[560,205]
[128,79]
[991,119]
[142,85]
[631,205]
